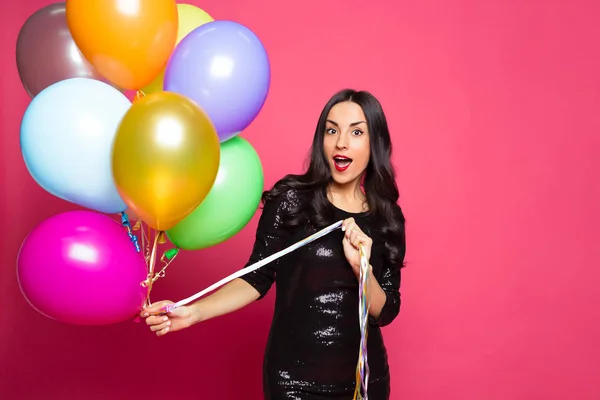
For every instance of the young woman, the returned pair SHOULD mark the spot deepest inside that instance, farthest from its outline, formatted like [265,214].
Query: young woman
[314,340]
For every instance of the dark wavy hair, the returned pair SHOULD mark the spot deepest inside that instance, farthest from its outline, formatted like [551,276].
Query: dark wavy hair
[379,181]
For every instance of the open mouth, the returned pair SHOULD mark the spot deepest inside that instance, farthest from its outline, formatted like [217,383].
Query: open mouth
[341,162]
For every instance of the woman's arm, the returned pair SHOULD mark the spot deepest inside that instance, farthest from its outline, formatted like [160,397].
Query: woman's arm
[384,296]
[233,296]
[236,294]
[253,286]
[376,296]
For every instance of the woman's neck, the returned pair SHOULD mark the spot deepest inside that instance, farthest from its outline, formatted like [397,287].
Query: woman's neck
[348,197]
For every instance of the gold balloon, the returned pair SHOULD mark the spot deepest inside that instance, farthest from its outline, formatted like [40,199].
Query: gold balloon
[166,157]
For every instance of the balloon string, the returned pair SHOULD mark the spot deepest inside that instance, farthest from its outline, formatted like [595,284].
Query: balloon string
[139,226]
[148,245]
[139,94]
[167,258]
[150,254]
[150,279]
[145,239]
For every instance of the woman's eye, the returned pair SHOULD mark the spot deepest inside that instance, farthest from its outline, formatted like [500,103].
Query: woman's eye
[357,132]
[331,131]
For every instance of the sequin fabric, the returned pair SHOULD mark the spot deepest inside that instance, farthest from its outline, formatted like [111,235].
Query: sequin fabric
[313,343]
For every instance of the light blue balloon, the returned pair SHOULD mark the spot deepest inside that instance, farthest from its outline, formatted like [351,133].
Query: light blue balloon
[67,134]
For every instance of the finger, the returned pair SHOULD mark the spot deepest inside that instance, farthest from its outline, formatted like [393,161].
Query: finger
[353,237]
[164,331]
[159,327]
[364,239]
[156,306]
[155,309]
[159,313]
[359,239]
[346,222]
[356,228]
[155,320]
[145,313]
[349,229]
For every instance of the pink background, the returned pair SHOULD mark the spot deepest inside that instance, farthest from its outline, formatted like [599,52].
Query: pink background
[493,107]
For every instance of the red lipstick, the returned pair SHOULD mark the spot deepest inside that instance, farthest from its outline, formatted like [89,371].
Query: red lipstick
[341,162]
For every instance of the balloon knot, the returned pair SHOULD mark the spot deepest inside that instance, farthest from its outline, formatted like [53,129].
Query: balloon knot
[139,95]
[169,254]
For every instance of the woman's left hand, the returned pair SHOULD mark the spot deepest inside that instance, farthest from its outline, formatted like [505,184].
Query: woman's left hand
[353,236]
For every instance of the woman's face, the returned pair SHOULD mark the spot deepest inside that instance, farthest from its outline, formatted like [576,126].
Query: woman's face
[346,142]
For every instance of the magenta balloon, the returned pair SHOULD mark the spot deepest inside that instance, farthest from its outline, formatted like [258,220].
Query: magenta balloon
[80,267]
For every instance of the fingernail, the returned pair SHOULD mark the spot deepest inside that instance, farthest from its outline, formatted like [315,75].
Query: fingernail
[165,318]
[343,228]
[166,330]
[169,323]
[146,314]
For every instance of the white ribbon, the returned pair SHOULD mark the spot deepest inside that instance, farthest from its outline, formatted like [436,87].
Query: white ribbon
[256,265]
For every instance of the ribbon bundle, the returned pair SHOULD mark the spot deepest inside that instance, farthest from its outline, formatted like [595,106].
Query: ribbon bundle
[150,252]
[362,367]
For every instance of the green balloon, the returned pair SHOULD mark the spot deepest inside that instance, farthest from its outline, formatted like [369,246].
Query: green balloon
[231,202]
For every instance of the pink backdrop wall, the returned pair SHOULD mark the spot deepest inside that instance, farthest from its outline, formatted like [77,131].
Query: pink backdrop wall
[493,108]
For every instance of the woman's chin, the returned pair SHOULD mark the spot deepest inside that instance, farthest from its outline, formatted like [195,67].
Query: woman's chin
[343,179]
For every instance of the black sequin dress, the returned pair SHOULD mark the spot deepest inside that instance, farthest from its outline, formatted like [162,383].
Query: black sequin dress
[313,344]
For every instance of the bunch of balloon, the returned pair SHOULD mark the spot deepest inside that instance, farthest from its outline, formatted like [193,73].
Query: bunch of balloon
[224,68]
[171,160]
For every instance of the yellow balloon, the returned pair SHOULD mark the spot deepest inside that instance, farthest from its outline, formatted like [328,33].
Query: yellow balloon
[190,17]
[165,159]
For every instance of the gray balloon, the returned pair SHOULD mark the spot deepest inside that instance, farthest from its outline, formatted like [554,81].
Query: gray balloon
[47,53]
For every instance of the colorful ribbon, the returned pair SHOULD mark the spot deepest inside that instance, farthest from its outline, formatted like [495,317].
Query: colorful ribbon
[125,222]
[151,254]
[362,367]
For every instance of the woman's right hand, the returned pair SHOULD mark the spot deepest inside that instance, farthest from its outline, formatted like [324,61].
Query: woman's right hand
[163,323]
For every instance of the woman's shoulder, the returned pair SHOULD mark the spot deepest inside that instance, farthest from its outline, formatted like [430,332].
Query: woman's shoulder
[281,206]
[281,197]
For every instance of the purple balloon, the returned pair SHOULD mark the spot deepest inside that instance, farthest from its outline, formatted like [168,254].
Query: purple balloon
[81,267]
[224,67]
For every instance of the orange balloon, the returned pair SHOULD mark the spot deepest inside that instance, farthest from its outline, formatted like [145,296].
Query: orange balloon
[128,41]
